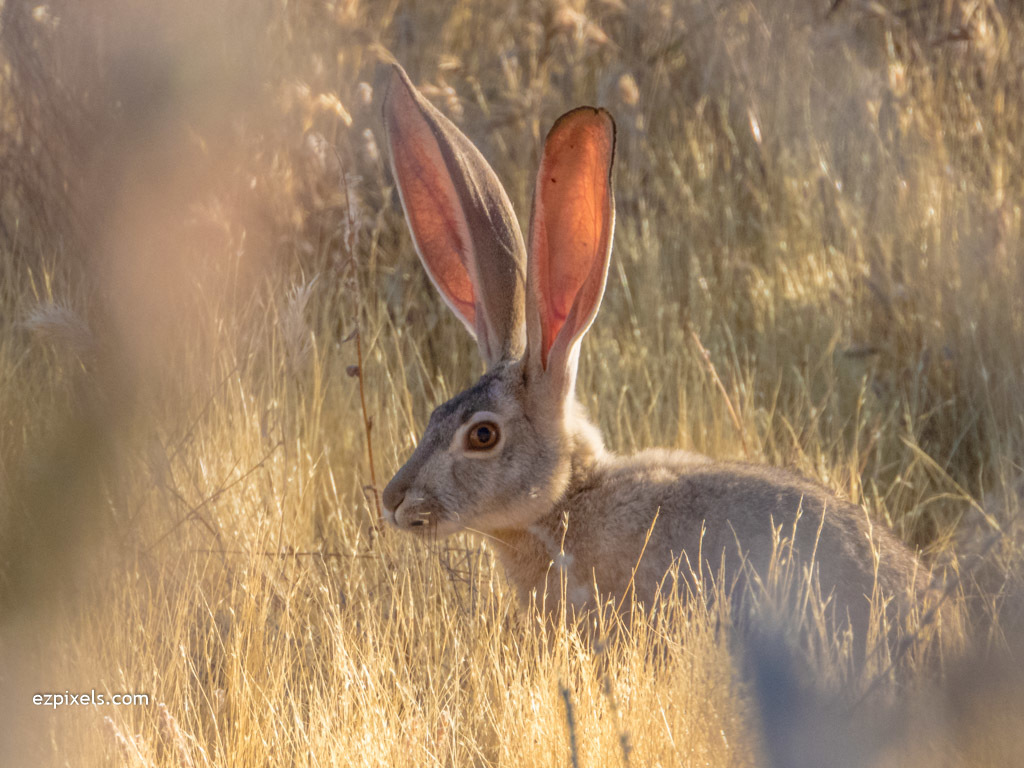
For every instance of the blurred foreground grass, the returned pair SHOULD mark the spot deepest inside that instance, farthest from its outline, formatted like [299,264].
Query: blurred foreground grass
[196,217]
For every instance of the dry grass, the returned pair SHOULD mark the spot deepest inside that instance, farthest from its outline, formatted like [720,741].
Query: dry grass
[831,204]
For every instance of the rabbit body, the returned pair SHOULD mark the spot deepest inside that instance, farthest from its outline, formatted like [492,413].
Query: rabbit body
[712,519]
[514,458]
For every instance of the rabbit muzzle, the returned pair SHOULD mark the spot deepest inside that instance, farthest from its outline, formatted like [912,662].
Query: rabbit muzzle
[407,509]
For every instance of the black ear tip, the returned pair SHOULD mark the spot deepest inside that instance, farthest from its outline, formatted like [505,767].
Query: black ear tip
[589,111]
[604,113]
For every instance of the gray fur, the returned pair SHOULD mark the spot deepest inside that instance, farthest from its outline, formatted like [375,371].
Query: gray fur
[555,502]
[558,505]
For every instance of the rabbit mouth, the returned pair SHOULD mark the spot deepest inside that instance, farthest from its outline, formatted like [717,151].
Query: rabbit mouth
[421,519]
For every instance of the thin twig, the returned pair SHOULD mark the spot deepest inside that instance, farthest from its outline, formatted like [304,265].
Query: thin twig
[367,424]
[367,421]
[721,388]
[194,512]
[286,553]
[202,412]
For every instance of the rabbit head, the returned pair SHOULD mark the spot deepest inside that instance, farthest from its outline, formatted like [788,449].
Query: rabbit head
[498,455]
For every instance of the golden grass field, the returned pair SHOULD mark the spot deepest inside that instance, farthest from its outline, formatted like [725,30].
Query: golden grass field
[209,303]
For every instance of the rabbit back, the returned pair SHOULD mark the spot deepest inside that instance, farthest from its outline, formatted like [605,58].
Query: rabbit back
[627,521]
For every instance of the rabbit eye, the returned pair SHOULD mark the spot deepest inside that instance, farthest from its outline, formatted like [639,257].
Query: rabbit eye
[482,436]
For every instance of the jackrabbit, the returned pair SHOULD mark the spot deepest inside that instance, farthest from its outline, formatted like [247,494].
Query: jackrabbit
[513,457]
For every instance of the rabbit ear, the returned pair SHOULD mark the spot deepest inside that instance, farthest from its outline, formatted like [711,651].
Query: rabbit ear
[462,222]
[570,242]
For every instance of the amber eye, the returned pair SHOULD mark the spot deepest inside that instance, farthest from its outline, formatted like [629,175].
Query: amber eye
[482,436]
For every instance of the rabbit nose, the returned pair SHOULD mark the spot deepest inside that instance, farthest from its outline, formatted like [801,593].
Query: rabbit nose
[394,495]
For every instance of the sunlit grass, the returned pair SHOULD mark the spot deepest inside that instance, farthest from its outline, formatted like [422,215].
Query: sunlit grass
[830,207]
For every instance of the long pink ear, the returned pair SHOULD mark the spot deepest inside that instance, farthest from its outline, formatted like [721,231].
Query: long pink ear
[462,222]
[570,240]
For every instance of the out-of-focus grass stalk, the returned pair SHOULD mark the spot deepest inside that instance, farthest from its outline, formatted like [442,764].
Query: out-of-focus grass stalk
[833,205]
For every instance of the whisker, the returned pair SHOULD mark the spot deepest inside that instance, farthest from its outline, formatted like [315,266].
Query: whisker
[492,537]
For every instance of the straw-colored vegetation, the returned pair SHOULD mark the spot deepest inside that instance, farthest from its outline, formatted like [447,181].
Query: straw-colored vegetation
[199,242]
